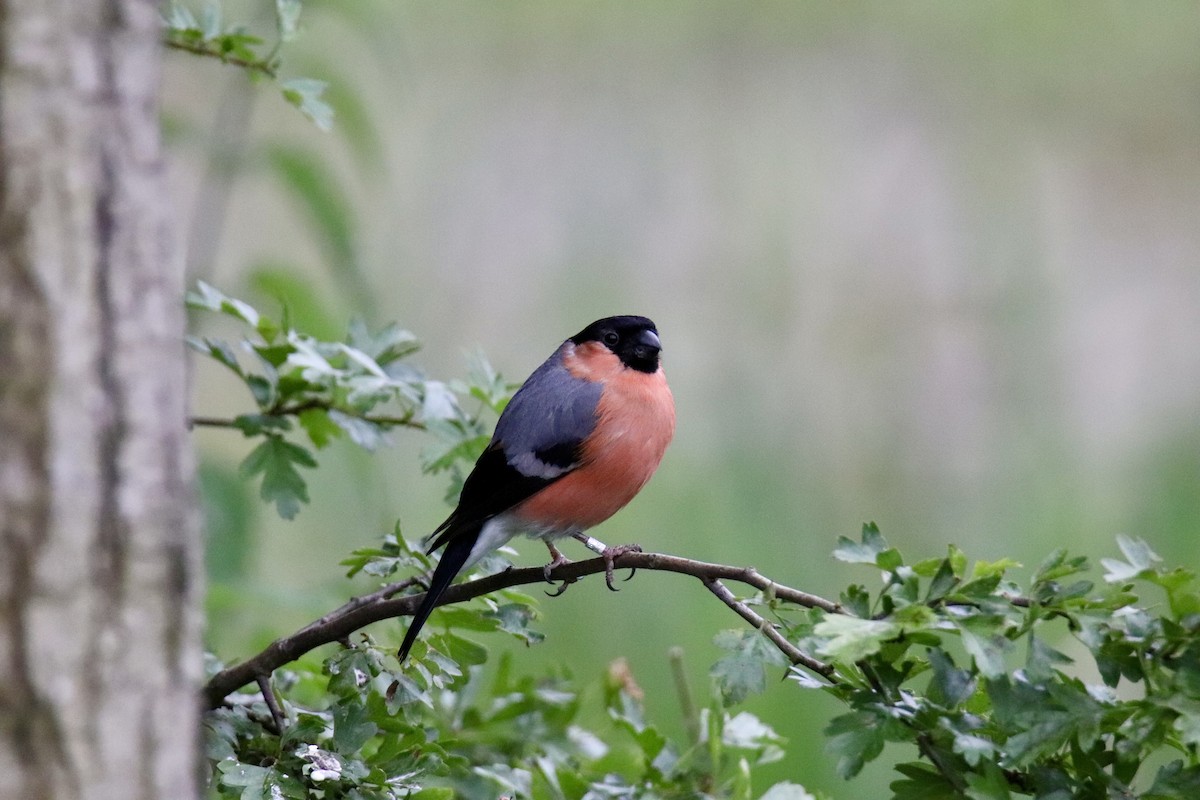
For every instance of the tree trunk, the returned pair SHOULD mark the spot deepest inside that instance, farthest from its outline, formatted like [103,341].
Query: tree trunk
[99,542]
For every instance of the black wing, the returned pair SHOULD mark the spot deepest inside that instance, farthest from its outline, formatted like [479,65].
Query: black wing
[538,439]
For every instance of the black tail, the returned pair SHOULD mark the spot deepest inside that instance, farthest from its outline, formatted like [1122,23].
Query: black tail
[453,558]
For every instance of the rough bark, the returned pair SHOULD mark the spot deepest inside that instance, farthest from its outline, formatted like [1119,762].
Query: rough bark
[99,546]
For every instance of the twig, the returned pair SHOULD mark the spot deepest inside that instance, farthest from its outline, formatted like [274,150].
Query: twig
[687,706]
[795,654]
[261,67]
[381,605]
[264,685]
[403,421]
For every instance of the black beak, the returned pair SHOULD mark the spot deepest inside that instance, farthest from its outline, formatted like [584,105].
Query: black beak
[647,345]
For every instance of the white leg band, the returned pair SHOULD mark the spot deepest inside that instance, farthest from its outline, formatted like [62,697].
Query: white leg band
[595,545]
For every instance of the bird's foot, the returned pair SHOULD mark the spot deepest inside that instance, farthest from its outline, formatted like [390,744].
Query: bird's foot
[611,554]
[557,559]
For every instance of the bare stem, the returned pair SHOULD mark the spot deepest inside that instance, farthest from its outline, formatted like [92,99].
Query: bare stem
[687,705]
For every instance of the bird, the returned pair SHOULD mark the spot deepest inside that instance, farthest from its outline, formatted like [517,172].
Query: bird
[577,441]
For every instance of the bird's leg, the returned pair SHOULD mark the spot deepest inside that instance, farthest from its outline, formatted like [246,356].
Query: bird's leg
[609,554]
[557,559]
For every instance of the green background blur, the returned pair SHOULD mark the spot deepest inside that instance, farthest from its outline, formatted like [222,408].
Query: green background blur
[931,264]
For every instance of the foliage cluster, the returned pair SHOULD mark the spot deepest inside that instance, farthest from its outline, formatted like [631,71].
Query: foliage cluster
[208,35]
[1060,688]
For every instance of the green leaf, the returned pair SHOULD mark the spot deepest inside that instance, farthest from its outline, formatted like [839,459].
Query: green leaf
[305,94]
[282,485]
[950,686]
[974,749]
[389,344]
[743,672]
[320,428]
[986,647]
[219,351]
[1042,659]
[433,793]
[515,618]
[1058,565]
[943,582]
[993,569]
[850,639]
[1174,781]
[351,670]
[989,784]
[257,424]
[208,298]
[463,651]
[1139,559]
[352,726]
[922,782]
[857,600]
[857,738]
[866,552]
[745,731]
[364,433]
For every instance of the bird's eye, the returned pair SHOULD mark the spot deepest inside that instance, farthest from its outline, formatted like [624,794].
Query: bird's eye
[611,338]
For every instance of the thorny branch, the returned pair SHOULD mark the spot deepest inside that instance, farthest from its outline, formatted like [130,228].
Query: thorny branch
[382,604]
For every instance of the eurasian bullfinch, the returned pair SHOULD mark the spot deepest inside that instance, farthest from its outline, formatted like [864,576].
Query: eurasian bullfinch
[577,441]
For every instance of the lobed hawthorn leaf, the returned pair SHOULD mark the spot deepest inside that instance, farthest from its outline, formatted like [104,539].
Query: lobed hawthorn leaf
[986,647]
[857,600]
[390,344]
[988,784]
[944,580]
[1174,781]
[922,782]
[975,750]
[1182,591]
[321,429]
[866,552]
[743,672]
[858,737]
[277,459]
[364,433]
[990,569]
[208,298]
[352,726]
[949,686]
[850,639]
[1059,565]
[1042,660]
[218,350]
[256,424]
[515,618]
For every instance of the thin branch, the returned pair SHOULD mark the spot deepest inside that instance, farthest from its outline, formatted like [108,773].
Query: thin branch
[402,421]
[794,654]
[204,49]
[268,693]
[381,605]
[687,705]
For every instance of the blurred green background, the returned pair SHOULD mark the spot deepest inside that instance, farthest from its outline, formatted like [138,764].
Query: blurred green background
[931,264]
